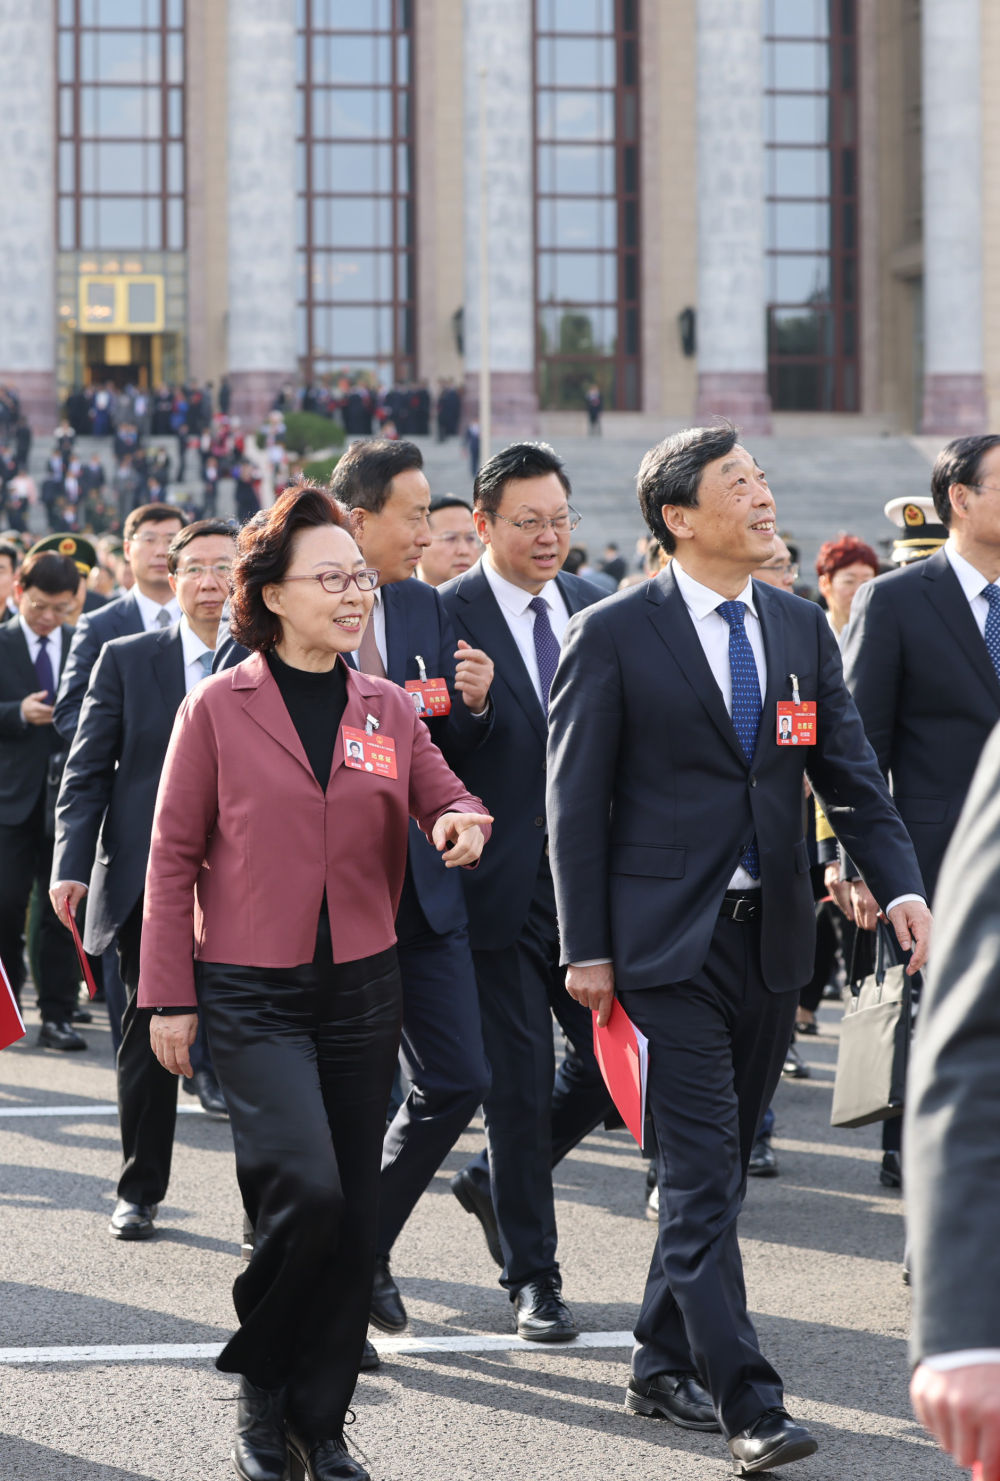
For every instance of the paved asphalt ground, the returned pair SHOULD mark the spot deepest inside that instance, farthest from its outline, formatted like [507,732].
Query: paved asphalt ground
[822,1244]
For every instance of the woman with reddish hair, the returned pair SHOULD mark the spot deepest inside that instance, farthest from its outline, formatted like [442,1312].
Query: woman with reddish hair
[843,565]
[279,846]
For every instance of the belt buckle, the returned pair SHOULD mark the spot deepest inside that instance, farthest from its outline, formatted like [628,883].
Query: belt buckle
[745,910]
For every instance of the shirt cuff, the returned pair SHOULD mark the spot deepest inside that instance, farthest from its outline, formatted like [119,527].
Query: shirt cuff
[944,1362]
[597,961]
[901,899]
[176,1009]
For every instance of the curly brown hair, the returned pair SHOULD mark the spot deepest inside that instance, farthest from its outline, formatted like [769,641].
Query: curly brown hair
[264,549]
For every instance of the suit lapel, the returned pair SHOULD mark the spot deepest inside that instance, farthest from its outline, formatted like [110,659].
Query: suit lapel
[363,698]
[772,624]
[396,635]
[168,670]
[485,623]
[265,706]
[669,615]
[21,658]
[944,591]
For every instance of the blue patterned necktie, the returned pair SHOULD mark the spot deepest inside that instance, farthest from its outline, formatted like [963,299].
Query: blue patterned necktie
[747,706]
[546,647]
[992,634]
[206,660]
[43,668]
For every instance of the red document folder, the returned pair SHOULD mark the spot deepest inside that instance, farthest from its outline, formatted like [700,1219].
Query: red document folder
[11,1022]
[623,1055]
[88,975]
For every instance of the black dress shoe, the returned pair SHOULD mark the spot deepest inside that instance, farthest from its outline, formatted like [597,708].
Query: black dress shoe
[82,1015]
[475,1201]
[370,1360]
[891,1172]
[772,1440]
[387,1311]
[679,1397]
[260,1450]
[763,1163]
[324,1460]
[53,1035]
[133,1220]
[542,1314]
[795,1066]
[205,1086]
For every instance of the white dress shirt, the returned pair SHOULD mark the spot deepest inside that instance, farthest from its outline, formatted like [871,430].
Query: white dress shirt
[377,621]
[513,601]
[192,648]
[150,611]
[54,647]
[972,583]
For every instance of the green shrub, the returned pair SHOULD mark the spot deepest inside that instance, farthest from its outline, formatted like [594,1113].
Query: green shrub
[305,431]
[320,471]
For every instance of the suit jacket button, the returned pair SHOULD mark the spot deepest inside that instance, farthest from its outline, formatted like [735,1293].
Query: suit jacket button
[753,781]
[539,822]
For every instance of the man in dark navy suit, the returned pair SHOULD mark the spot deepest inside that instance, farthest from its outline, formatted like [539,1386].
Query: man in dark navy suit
[104,822]
[682,877]
[515,604]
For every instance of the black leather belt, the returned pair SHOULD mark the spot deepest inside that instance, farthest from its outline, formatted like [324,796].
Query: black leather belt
[741,907]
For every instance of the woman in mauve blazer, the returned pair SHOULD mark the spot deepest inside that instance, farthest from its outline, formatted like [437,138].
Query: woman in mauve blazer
[281,855]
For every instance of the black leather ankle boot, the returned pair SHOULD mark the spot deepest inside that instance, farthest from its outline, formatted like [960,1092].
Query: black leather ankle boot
[260,1450]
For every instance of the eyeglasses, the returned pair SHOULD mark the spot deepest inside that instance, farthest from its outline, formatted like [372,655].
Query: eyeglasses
[983,488]
[786,568]
[151,541]
[449,537]
[222,569]
[336,582]
[563,524]
[54,609]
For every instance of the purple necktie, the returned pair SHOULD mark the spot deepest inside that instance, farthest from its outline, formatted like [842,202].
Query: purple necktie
[43,668]
[546,647]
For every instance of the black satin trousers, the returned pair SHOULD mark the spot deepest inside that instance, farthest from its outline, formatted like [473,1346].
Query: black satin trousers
[305,1057]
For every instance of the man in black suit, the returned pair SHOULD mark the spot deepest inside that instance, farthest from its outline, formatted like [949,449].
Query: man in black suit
[921,658]
[952,1136]
[10,559]
[104,821]
[682,878]
[33,651]
[515,604]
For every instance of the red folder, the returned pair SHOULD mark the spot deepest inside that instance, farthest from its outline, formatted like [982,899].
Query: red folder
[623,1055]
[11,1022]
[88,975]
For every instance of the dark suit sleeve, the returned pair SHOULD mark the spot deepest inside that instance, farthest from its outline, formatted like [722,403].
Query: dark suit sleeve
[952,1133]
[585,716]
[76,673]
[851,790]
[89,774]
[228,654]
[461,732]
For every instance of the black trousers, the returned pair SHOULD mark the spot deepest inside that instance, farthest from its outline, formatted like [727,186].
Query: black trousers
[305,1057]
[717,1045]
[26,856]
[443,1059]
[520,988]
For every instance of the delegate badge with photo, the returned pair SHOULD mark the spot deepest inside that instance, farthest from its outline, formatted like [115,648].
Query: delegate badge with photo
[374,753]
[796,722]
[430,696]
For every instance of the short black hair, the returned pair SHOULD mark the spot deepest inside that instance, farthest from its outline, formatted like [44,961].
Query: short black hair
[364,472]
[149,514]
[50,572]
[670,473]
[192,532]
[958,462]
[8,549]
[517,460]
[449,501]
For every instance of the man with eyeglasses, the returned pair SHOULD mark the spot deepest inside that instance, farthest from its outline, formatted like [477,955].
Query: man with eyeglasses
[454,546]
[515,604]
[33,651]
[104,822]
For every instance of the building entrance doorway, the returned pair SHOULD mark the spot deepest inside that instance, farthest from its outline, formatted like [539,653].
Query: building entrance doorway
[122,359]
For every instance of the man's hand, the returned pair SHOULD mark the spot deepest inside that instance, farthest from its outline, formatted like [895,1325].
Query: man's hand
[961,1408]
[864,905]
[473,676]
[171,1036]
[840,889]
[594,987]
[911,920]
[35,710]
[66,895]
[464,831]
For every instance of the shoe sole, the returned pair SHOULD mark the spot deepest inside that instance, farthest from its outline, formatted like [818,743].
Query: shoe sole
[644,1408]
[762,1172]
[388,1327]
[888,1181]
[548,1336]
[133,1234]
[783,1456]
[496,1254]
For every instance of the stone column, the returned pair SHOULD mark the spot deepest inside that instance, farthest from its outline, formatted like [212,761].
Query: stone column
[261,215]
[732,346]
[27,208]
[499,37]
[954,398]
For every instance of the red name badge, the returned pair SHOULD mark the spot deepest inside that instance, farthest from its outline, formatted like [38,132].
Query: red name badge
[374,753]
[430,696]
[796,722]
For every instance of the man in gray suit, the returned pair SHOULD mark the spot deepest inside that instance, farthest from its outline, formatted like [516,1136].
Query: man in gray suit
[952,1142]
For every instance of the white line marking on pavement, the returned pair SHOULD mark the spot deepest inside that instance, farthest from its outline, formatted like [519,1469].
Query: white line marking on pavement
[93,1108]
[163,1352]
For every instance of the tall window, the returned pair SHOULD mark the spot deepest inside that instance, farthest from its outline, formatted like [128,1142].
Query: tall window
[356,229]
[812,204]
[121,125]
[587,201]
